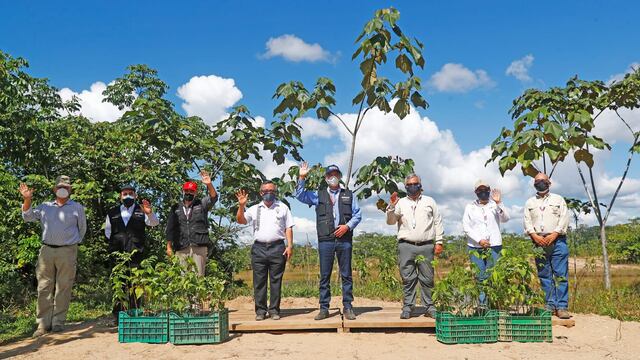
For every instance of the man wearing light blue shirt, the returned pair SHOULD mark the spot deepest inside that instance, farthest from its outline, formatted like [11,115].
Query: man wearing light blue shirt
[63,227]
[337,215]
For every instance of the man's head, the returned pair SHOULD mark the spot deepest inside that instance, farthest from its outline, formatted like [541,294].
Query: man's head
[62,189]
[482,190]
[542,183]
[413,184]
[332,176]
[268,191]
[128,195]
[189,191]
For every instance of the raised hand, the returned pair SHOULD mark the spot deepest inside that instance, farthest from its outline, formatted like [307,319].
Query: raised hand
[303,170]
[242,197]
[394,199]
[146,206]
[25,191]
[206,179]
[496,195]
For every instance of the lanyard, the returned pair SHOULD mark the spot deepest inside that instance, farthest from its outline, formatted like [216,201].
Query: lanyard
[542,207]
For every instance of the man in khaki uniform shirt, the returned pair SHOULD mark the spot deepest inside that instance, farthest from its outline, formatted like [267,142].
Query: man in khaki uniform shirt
[420,232]
[546,219]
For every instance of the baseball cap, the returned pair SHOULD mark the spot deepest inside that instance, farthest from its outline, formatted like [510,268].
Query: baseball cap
[127,187]
[481,183]
[190,185]
[63,180]
[332,168]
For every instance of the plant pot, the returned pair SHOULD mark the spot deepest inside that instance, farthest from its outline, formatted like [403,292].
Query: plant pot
[134,326]
[460,329]
[535,327]
[211,328]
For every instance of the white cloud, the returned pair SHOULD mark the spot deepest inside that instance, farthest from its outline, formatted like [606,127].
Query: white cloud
[313,128]
[457,78]
[292,48]
[92,106]
[209,97]
[610,127]
[620,76]
[520,68]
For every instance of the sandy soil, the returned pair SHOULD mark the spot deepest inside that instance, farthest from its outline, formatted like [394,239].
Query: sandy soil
[593,337]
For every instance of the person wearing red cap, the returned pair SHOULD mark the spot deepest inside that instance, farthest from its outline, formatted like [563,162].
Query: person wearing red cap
[188,224]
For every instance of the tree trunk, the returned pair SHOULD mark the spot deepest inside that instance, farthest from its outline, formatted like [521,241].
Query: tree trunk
[353,150]
[605,257]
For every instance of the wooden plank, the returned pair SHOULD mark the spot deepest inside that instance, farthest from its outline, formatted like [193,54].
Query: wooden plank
[290,319]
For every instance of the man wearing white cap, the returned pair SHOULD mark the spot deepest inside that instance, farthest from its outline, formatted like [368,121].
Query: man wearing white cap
[481,224]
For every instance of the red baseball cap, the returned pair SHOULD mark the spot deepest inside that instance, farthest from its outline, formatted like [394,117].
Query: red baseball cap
[190,185]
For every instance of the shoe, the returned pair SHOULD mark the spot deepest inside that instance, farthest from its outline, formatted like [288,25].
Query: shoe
[39,332]
[260,317]
[349,314]
[431,313]
[322,314]
[563,314]
[57,328]
[274,316]
[405,315]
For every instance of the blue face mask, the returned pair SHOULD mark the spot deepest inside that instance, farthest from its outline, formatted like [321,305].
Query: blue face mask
[269,197]
[414,189]
[483,195]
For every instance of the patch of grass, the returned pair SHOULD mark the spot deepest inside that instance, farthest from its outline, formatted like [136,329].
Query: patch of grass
[17,323]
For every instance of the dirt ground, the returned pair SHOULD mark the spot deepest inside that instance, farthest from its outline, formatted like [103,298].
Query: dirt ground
[593,337]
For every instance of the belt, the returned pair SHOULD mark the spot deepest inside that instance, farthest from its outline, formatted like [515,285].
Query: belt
[57,246]
[416,243]
[269,243]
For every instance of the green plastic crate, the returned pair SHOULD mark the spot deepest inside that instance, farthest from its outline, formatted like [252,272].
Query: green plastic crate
[199,329]
[458,329]
[133,326]
[525,328]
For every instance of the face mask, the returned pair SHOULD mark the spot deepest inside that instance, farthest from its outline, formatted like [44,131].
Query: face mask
[414,189]
[188,197]
[333,181]
[62,193]
[541,186]
[269,197]
[128,200]
[483,195]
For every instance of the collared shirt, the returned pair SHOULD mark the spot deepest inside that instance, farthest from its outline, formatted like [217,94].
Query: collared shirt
[125,213]
[311,198]
[418,220]
[61,224]
[482,222]
[546,214]
[272,222]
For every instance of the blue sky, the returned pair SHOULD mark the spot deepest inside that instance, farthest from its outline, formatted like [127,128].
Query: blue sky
[76,44]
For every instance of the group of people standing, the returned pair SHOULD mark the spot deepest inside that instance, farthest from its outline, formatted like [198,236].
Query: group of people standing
[420,233]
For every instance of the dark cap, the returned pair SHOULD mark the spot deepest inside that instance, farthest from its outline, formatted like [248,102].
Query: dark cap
[332,168]
[127,187]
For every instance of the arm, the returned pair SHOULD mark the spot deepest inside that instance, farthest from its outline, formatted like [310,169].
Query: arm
[107,228]
[289,234]
[563,222]
[528,223]
[305,196]
[240,218]
[437,222]
[150,218]
[208,202]
[243,198]
[356,214]
[503,214]
[392,215]
[82,221]
[28,213]
[172,224]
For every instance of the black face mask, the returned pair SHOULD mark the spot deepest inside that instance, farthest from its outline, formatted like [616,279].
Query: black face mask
[541,186]
[483,195]
[414,189]
[188,197]
[269,197]
[127,201]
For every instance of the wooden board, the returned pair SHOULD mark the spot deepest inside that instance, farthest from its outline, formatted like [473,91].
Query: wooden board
[389,318]
[290,319]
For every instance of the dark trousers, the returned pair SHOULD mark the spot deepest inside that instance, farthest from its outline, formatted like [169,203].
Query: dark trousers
[267,262]
[327,251]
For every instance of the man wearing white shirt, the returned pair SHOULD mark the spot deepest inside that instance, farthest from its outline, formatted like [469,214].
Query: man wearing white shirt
[272,222]
[125,230]
[481,224]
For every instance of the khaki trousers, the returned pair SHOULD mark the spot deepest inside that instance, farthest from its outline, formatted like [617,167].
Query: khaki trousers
[56,272]
[197,253]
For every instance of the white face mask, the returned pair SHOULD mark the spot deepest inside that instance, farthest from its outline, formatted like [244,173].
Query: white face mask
[62,193]
[333,181]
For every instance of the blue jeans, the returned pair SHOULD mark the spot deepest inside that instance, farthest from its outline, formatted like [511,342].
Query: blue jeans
[484,264]
[327,251]
[553,271]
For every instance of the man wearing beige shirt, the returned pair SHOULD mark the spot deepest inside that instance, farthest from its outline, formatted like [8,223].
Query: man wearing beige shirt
[420,233]
[546,219]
